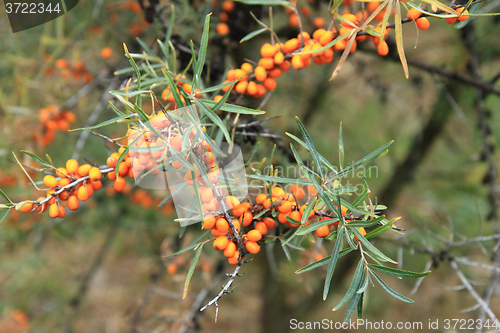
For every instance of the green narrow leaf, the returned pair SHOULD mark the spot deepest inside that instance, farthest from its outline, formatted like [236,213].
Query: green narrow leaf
[231,107]
[333,262]
[266,2]
[323,159]
[308,210]
[399,38]
[390,291]
[379,231]
[370,247]
[315,226]
[285,249]
[202,54]
[191,270]
[322,262]
[173,88]
[145,47]
[252,34]
[365,160]
[341,148]
[252,154]
[215,119]
[279,180]
[352,307]
[360,306]
[4,215]
[356,280]
[397,272]
[104,123]
[5,196]
[311,147]
[36,158]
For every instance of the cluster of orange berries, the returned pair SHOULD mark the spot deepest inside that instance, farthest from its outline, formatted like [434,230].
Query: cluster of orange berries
[17,323]
[73,184]
[225,239]
[77,71]
[53,119]
[143,198]
[284,203]
[227,7]
[167,95]
[305,9]
[424,24]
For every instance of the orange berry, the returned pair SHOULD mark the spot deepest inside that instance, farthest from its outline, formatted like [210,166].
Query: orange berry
[383,48]
[306,36]
[267,63]
[285,207]
[297,62]
[295,215]
[232,202]
[413,14]
[278,192]
[84,170]
[222,225]
[27,207]
[241,87]
[61,172]
[423,23]
[111,161]
[54,211]
[318,33]
[95,174]
[260,73]
[267,203]
[261,198]
[269,83]
[291,45]
[362,231]
[318,22]
[222,29]
[285,66]
[261,227]
[450,20]
[217,233]
[172,268]
[41,208]
[112,175]
[326,38]
[269,222]
[228,6]
[351,18]
[50,181]
[254,235]
[220,243]
[230,250]
[323,231]
[246,67]
[97,185]
[267,51]
[293,20]
[72,166]
[465,14]
[106,53]
[73,202]
[279,57]
[62,212]
[234,259]
[246,219]
[52,198]
[209,222]
[82,194]
[252,247]
[119,184]
[61,63]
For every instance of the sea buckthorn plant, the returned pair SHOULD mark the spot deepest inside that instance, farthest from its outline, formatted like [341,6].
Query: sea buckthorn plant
[179,132]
